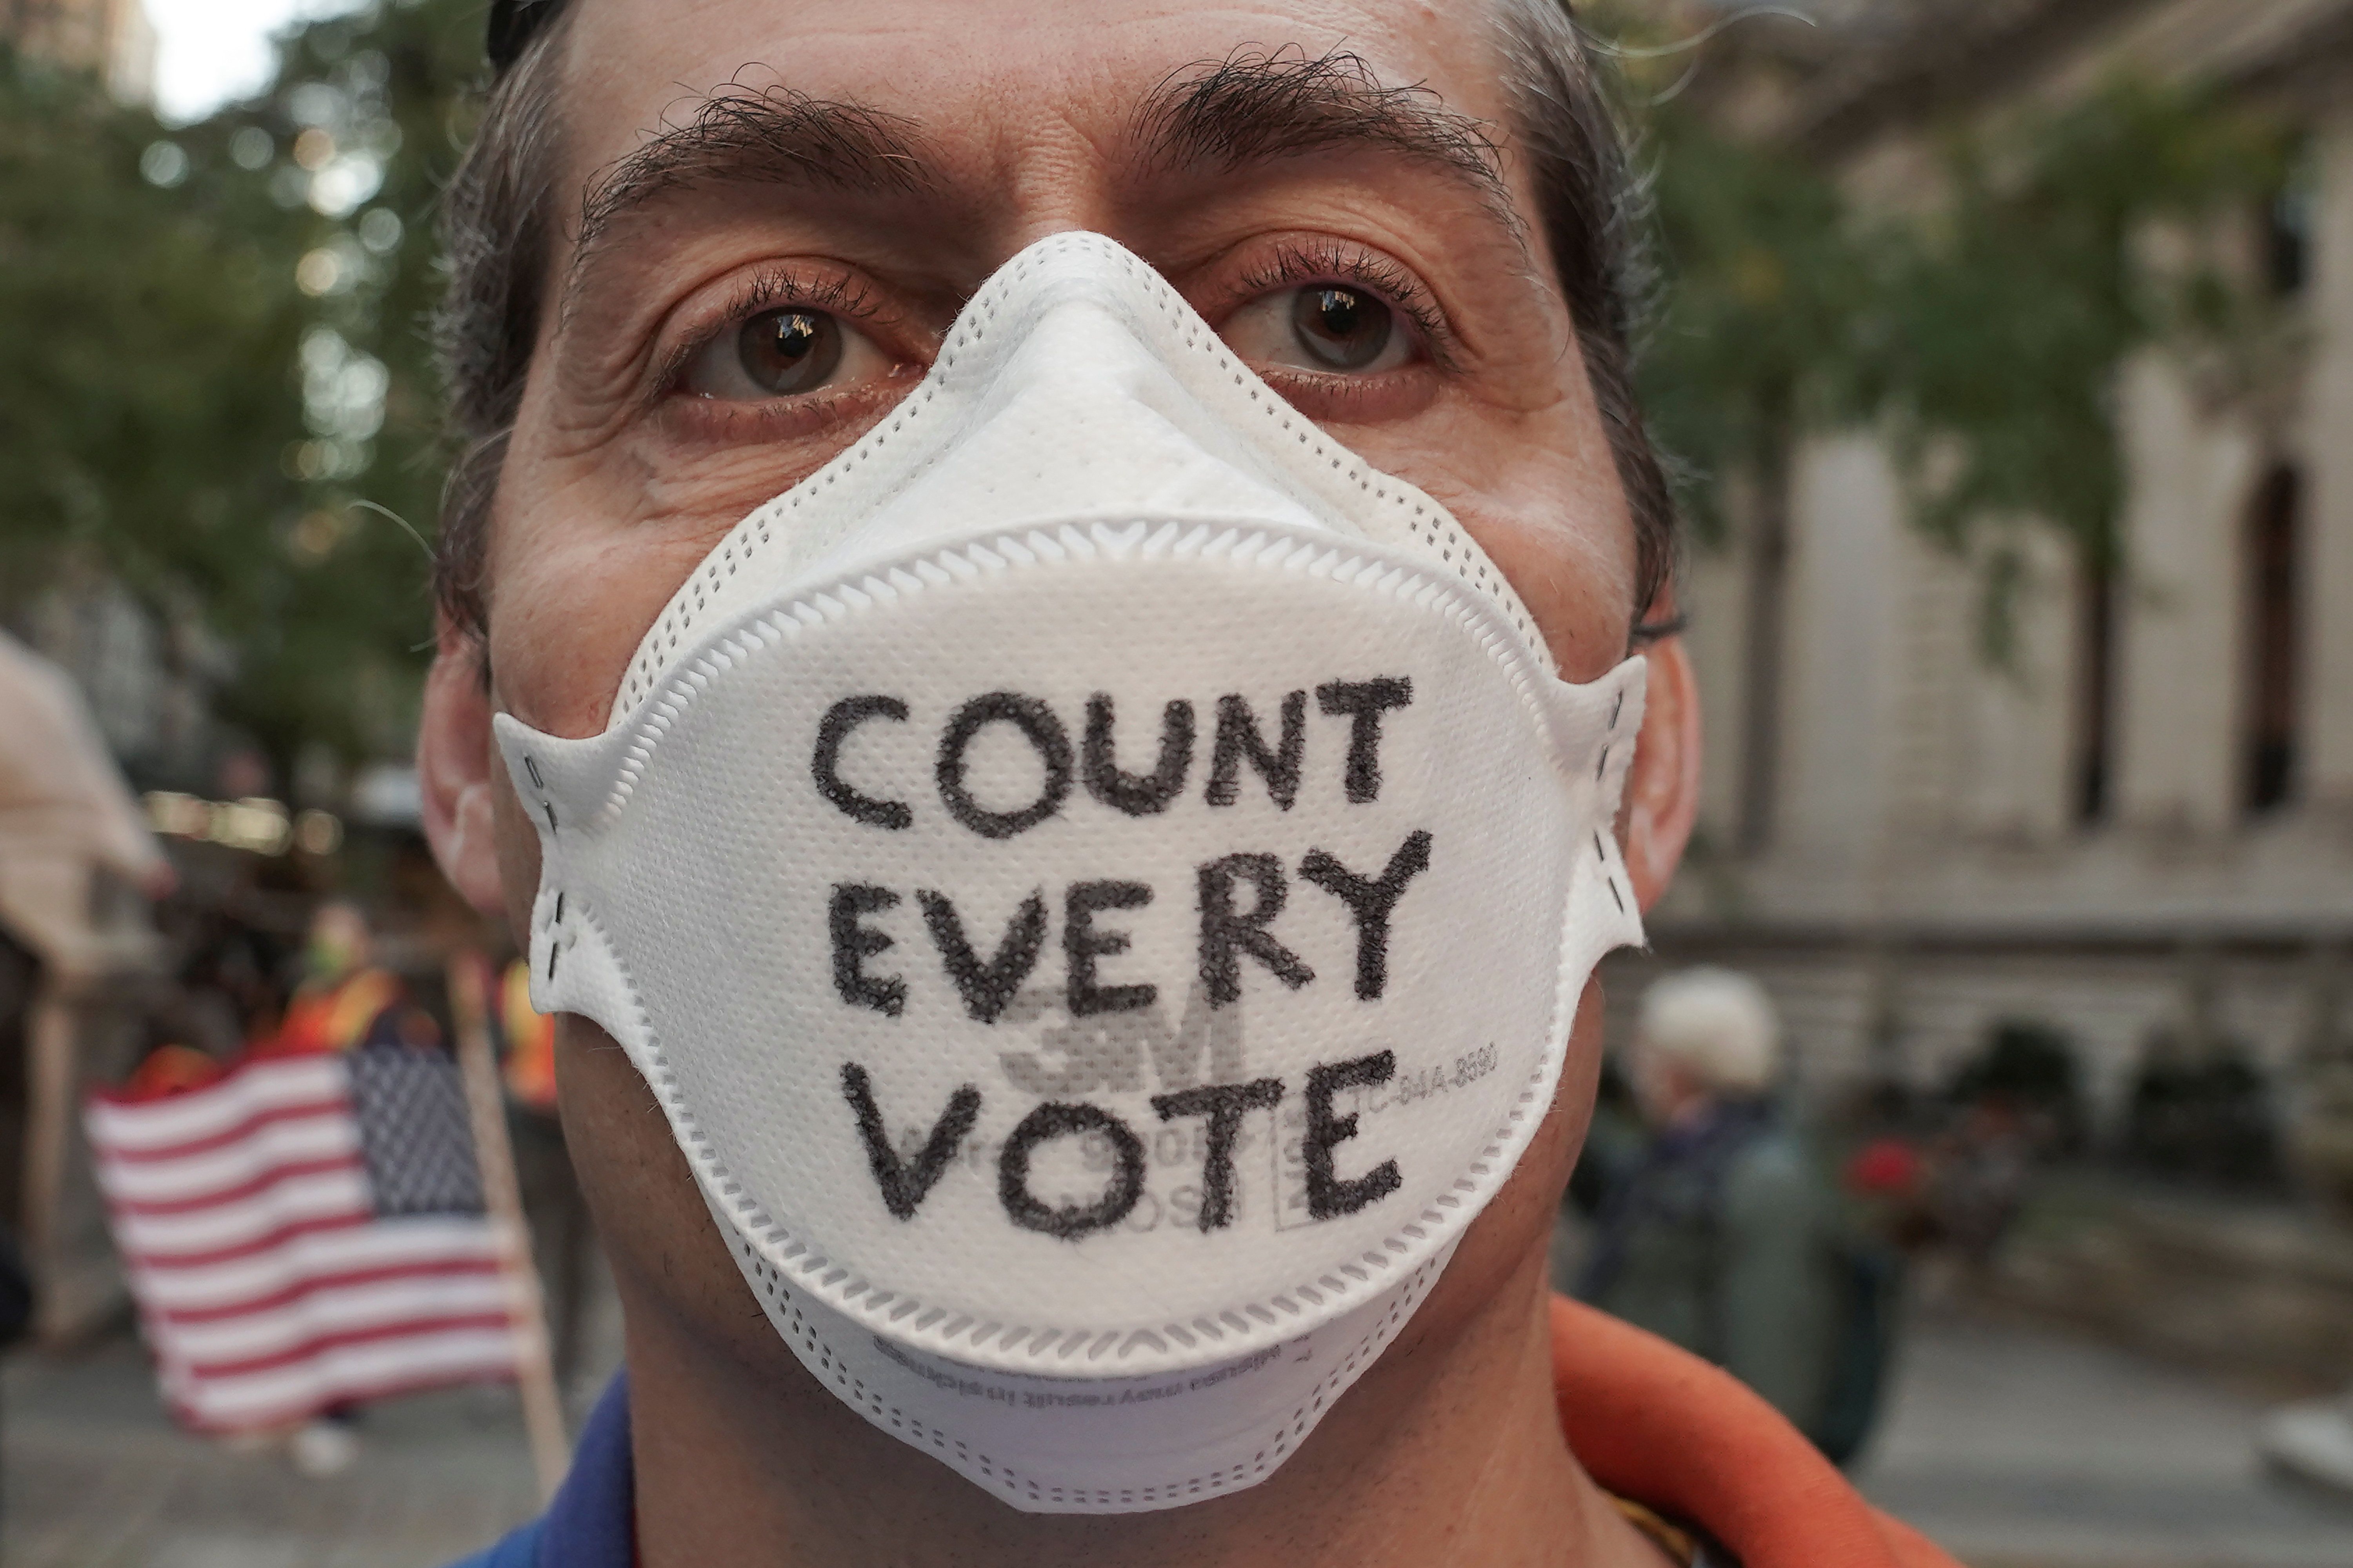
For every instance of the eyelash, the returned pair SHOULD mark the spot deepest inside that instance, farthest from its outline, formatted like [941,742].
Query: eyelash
[842,296]
[1294,265]
[1328,261]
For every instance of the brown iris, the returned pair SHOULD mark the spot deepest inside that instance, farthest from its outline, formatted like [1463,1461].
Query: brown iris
[789,351]
[1343,328]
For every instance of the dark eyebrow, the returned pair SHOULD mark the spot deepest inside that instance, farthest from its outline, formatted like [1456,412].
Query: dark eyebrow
[1254,107]
[771,135]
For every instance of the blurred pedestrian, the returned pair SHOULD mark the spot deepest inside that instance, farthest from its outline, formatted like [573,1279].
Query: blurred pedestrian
[345,1000]
[1724,1239]
[1979,1174]
[68,825]
[15,1292]
[64,817]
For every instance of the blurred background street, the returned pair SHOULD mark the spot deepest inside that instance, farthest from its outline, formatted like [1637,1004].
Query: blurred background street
[2008,351]
[2016,1445]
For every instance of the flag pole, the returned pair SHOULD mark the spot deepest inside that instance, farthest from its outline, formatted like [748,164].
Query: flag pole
[51,1062]
[543,1409]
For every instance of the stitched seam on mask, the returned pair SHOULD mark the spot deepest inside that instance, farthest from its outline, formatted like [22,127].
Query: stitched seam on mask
[771,1283]
[962,1335]
[1428,524]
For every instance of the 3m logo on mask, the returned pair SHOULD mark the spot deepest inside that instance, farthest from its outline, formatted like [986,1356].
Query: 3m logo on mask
[1238,898]
[1098,881]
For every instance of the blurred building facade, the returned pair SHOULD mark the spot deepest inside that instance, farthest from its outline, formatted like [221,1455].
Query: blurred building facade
[2141,832]
[112,38]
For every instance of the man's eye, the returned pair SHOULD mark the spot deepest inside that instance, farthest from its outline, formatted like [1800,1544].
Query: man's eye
[785,352]
[1332,328]
[1344,328]
[781,352]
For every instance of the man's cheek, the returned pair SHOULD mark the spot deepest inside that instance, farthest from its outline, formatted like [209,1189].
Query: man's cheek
[666,1255]
[1565,547]
[1540,493]
[568,612]
[694,497]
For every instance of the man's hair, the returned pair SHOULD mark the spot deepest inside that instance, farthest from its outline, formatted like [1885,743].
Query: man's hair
[1717,1024]
[498,222]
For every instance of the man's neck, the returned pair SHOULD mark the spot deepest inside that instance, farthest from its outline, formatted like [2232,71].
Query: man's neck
[1448,1451]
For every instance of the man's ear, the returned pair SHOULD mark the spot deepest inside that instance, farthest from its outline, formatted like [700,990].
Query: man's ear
[454,762]
[1663,788]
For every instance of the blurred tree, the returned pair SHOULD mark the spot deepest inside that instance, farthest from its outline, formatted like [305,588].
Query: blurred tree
[216,386]
[1760,319]
[215,371]
[2202,1109]
[150,312]
[2006,317]
[1982,330]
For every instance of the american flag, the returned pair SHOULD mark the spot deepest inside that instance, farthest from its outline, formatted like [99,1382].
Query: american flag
[305,1232]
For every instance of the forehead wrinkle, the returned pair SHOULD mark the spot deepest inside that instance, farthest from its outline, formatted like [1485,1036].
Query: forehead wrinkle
[1257,107]
[739,134]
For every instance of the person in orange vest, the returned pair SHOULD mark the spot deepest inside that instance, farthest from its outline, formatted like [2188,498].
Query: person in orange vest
[344,1001]
[529,1035]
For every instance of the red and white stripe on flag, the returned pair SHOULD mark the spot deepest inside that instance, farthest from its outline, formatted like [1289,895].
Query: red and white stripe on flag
[269,1286]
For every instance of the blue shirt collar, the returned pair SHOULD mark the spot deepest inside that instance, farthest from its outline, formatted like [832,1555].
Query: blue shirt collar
[592,1524]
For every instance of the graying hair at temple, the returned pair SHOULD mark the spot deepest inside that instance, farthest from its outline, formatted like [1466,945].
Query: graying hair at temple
[497,217]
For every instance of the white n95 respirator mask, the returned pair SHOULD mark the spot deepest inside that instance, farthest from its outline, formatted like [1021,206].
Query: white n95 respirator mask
[1099,880]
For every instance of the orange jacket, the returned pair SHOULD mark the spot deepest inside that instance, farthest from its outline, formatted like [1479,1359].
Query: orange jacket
[531,1043]
[1657,1424]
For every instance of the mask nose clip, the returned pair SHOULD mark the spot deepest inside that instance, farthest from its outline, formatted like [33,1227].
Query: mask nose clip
[1077,386]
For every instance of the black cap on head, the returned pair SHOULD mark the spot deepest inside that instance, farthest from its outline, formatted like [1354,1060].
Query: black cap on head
[513,23]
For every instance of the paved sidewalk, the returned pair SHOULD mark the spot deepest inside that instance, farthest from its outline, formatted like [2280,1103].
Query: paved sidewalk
[93,1476]
[2016,1447]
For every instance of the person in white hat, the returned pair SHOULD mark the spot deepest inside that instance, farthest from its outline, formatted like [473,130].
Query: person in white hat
[1722,1239]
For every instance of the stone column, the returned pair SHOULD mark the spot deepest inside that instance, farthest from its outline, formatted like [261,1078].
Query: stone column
[2327,673]
[2191,468]
[1841,675]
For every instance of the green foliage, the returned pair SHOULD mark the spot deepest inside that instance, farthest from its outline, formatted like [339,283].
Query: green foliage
[216,367]
[1983,331]
[1760,325]
[144,385]
[2009,310]
[215,371]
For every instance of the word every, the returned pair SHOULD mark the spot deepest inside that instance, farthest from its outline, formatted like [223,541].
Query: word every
[905,1182]
[1230,930]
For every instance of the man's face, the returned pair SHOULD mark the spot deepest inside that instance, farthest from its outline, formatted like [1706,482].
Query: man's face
[668,398]
[723,324]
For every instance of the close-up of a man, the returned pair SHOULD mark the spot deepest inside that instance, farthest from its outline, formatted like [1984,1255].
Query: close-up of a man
[1058,641]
